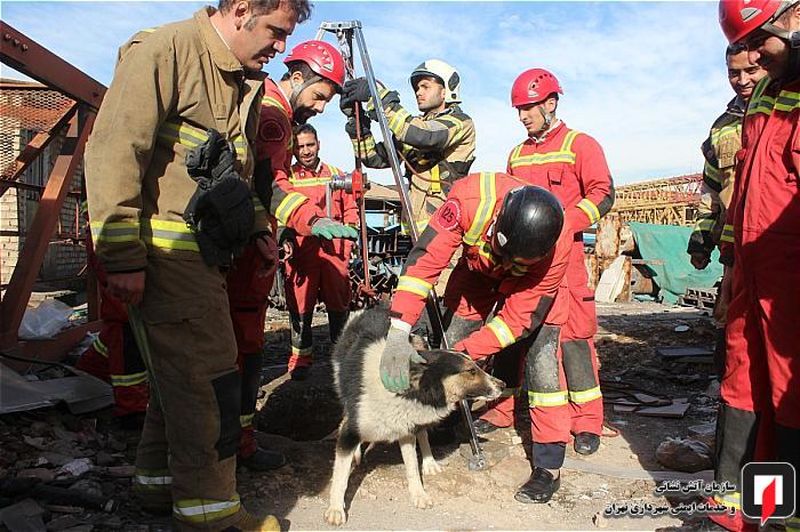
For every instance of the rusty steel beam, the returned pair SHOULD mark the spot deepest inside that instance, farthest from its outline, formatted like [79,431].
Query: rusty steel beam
[33,150]
[32,59]
[42,229]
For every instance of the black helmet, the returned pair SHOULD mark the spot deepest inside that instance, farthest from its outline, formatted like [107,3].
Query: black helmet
[529,223]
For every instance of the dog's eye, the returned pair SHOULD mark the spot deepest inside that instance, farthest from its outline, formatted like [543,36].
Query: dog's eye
[472,371]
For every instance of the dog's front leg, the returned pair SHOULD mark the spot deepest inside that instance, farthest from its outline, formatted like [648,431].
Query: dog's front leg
[429,464]
[345,449]
[408,448]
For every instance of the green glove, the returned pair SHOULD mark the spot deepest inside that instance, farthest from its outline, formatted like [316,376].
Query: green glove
[330,229]
[396,361]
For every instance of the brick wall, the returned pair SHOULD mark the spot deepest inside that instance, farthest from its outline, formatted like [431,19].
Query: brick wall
[17,210]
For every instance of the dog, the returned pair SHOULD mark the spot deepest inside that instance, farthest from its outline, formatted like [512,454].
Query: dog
[373,414]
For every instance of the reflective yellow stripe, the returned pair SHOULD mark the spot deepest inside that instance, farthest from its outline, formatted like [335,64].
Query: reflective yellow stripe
[544,158]
[155,478]
[732,499]
[704,224]
[485,250]
[168,235]
[563,155]
[204,510]
[129,380]
[115,231]
[172,132]
[483,215]
[273,102]
[591,210]
[585,396]
[309,182]
[787,101]
[289,204]
[436,185]
[100,347]
[246,420]
[397,121]
[547,399]
[727,234]
[502,331]
[414,285]
[302,351]
[712,173]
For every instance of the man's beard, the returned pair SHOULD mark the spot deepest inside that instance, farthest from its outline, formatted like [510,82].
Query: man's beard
[301,116]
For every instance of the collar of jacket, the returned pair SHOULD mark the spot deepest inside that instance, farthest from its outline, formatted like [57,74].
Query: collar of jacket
[737,106]
[550,133]
[450,109]
[220,53]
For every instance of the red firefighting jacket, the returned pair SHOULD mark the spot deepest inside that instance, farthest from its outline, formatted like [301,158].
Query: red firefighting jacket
[572,166]
[466,220]
[766,197]
[313,184]
[275,140]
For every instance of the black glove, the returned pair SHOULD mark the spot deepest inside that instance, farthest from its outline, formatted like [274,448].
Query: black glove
[363,123]
[225,219]
[355,90]
[212,160]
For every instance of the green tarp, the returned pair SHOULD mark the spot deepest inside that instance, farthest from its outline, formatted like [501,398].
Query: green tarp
[665,246]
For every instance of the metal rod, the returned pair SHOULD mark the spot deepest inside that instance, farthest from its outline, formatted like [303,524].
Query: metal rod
[432,306]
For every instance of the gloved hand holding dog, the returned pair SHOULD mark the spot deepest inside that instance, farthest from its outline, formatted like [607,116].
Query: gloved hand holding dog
[396,359]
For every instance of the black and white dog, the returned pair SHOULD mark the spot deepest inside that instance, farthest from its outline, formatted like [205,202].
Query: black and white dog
[373,414]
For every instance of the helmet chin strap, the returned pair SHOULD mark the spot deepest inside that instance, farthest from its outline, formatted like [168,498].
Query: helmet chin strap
[548,118]
[297,88]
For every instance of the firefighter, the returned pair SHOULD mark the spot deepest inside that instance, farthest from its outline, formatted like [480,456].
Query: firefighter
[719,151]
[170,170]
[315,72]
[316,269]
[516,247]
[572,166]
[759,418]
[437,147]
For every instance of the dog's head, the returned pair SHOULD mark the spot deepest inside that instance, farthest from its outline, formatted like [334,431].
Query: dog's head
[454,374]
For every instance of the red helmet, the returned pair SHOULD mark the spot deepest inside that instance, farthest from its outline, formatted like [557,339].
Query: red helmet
[322,58]
[534,86]
[739,18]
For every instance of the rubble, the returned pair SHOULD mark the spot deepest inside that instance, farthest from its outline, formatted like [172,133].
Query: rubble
[685,455]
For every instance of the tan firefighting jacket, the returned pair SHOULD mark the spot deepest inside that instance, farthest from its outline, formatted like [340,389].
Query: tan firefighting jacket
[719,150]
[170,86]
[438,149]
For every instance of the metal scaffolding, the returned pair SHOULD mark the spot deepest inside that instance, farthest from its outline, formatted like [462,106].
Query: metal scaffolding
[670,201]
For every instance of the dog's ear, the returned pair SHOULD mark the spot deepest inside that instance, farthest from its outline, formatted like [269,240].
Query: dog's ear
[418,342]
[429,357]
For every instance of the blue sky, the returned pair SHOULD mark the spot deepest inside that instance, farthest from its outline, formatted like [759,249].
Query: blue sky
[644,78]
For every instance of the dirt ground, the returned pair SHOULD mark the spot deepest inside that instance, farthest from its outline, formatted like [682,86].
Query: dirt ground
[300,417]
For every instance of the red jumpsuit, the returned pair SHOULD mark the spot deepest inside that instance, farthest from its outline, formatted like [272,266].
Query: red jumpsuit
[114,356]
[572,166]
[759,417]
[532,300]
[318,269]
[249,281]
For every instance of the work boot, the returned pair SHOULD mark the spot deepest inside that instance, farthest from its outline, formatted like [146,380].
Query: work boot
[539,488]
[248,522]
[586,443]
[483,427]
[262,460]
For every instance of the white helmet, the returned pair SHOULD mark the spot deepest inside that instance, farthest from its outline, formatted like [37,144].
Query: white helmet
[444,73]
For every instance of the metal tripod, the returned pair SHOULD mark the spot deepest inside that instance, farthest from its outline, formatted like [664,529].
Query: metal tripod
[345,32]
